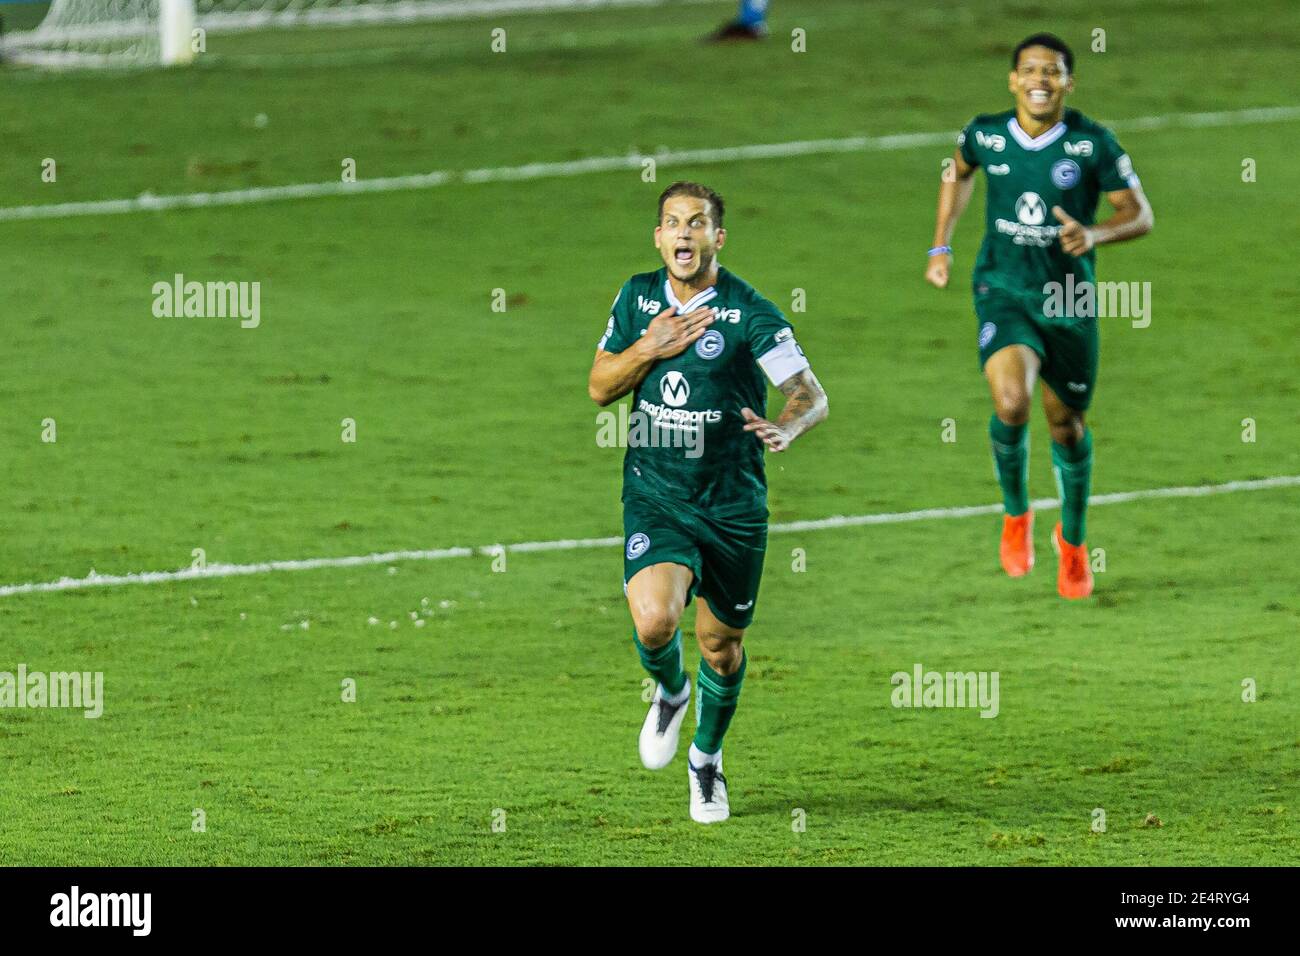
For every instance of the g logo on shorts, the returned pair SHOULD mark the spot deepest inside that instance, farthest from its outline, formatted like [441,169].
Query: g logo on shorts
[987,331]
[637,545]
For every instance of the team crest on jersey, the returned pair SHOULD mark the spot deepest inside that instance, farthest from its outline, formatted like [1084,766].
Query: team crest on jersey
[710,344]
[637,545]
[987,331]
[1030,209]
[674,389]
[1065,173]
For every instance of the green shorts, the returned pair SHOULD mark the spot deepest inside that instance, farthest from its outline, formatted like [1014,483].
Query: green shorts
[1068,349]
[725,554]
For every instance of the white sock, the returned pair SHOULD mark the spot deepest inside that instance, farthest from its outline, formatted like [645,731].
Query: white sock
[681,697]
[699,758]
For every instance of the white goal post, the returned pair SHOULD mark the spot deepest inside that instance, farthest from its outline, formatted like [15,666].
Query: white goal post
[105,33]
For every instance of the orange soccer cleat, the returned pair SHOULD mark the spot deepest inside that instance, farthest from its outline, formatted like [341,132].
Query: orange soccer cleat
[1017,550]
[1074,579]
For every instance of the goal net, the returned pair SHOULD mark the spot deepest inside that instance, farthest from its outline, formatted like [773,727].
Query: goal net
[106,33]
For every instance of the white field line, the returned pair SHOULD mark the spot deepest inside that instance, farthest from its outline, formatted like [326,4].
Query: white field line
[94,580]
[148,202]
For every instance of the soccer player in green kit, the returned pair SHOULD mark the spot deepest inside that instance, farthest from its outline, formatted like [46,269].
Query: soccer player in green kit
[692,342]
[1046,166]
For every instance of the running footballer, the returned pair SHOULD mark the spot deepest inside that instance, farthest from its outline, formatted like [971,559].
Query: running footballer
[1046,167]
[694,344]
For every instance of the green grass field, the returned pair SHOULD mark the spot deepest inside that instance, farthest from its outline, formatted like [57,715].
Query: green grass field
[521,692]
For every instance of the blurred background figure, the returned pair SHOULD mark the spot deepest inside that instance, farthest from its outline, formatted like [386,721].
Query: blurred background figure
[750,24]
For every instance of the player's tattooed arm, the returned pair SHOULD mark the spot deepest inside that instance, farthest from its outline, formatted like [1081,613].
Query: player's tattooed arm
[1133,218]
[805,405]
[955,188]
[614,374]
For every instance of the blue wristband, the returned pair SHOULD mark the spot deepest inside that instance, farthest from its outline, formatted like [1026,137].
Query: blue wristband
[940,251]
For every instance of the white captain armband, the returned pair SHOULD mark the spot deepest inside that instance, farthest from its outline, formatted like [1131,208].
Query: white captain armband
[782,361]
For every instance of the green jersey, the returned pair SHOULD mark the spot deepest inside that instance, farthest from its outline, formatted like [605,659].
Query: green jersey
[686,439]
[1070,165]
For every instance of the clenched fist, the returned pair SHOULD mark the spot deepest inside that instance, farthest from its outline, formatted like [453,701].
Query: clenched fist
[936,271]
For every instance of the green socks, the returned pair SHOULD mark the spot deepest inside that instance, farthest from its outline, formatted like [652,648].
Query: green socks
[1011,456]
[715,704]
[716,695]
[1073,468]
[664,664]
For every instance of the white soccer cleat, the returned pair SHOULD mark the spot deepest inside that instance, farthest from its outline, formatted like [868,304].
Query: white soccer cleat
[708,792]
[663,728]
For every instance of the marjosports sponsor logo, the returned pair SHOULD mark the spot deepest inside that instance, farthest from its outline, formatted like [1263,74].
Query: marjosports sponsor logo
[654,426]
[1028,230]
[679,418]
[1030,209]
[675,389]
[987,331]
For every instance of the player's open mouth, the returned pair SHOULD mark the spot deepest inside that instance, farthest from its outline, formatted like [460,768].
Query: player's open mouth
[684,256]
[1039,97]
